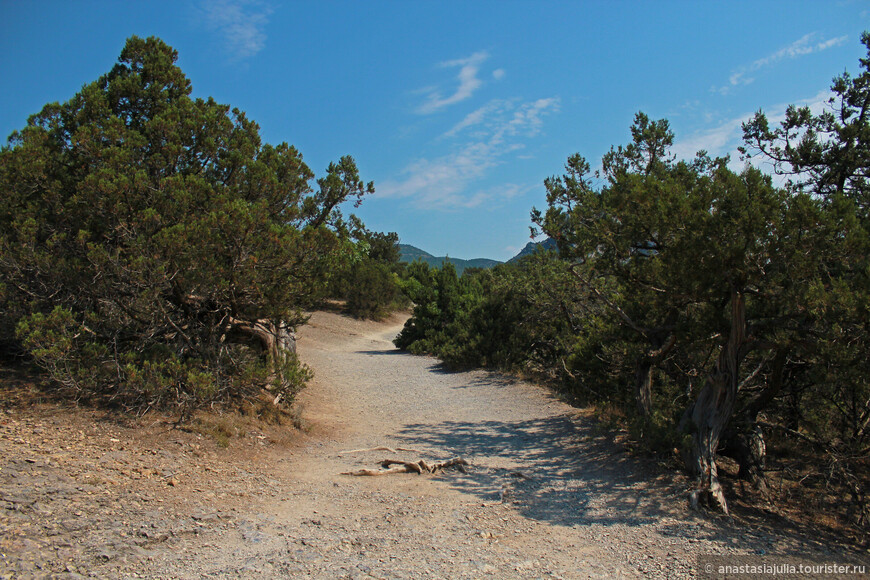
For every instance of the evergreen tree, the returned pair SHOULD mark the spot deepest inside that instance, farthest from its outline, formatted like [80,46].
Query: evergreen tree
[674,250]
[153,249]
[371,283]
[825,160]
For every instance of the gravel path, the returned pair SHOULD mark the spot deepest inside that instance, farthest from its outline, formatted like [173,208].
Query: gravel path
[545,496]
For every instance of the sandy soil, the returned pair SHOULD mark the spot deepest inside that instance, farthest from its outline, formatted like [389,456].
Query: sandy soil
[546,494]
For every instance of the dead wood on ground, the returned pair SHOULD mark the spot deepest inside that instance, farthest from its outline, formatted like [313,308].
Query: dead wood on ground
[420,467]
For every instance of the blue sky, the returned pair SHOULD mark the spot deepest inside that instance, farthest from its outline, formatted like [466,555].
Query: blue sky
[456,110]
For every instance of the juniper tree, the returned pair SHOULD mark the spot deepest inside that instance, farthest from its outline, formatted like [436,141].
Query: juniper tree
[677,251]
[153,249]
[825,161]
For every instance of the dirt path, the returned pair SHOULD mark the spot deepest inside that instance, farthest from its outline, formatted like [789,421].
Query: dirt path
[544,497]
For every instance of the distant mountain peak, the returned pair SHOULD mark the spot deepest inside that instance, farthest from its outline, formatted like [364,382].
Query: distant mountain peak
[532,247]
[409,251]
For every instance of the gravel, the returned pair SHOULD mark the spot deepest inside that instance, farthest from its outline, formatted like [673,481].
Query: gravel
[546,494]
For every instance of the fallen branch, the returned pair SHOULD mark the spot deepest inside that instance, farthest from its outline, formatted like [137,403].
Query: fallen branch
[400,469]
[419,467]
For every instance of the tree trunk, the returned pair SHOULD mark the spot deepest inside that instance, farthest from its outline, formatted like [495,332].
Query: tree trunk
[275,339]
[745,439]
[643,374]
[745,444]
[753,457]
[711,411]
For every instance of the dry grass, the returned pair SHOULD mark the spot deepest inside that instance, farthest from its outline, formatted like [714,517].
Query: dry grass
[23,388]
[805,490]
[802,495]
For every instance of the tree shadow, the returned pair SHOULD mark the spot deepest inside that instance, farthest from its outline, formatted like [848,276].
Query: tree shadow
[560,471]
[552,469]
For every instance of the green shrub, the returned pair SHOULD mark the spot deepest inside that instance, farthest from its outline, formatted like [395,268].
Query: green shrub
[153,251]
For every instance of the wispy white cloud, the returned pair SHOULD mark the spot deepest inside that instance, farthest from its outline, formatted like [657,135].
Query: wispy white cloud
[468,83]
[501,119]
[441,182]
[804,45]
[807,44]
[500,128]
[724,138]
[242,24]
[527,119]
[476,117]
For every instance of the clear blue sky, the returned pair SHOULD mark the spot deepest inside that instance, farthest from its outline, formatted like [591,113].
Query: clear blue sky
[456,110]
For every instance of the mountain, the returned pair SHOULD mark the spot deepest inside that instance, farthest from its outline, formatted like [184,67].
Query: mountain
[532,247]
[410,253]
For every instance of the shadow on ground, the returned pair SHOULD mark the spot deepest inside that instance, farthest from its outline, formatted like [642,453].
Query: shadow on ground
[556,470]
[552,470]
[560,470]
[391,352]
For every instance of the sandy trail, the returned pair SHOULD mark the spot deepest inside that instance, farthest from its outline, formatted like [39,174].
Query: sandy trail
[545,497]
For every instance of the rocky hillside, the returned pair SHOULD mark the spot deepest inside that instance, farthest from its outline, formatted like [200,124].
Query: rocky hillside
[532,247]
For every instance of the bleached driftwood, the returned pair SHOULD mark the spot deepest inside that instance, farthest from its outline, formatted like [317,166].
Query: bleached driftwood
[420,467]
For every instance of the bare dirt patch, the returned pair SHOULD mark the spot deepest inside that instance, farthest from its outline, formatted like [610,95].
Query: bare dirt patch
[84,491]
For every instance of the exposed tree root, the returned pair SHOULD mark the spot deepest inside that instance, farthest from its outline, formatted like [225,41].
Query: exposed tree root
[420,467]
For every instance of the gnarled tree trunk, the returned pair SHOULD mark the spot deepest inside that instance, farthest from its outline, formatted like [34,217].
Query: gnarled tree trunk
[275,339]
[711,411]
[744,440]
[643,375]
[745,444]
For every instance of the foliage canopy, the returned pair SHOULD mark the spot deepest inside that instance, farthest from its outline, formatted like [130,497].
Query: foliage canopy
[153,250]
[713,308]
